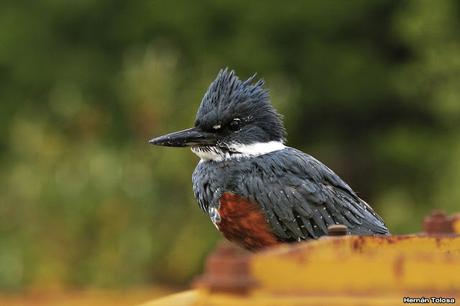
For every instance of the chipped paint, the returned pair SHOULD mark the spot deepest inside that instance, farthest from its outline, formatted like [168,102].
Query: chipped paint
[346,270]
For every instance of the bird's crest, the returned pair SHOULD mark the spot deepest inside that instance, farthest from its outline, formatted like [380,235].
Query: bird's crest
[228,91]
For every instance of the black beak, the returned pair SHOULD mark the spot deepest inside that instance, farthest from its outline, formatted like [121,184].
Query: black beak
[185,138]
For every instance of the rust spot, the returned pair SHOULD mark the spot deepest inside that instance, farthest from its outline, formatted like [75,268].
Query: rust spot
[398,267]
[243,222]
[395,239]
[358,243]
[438,241]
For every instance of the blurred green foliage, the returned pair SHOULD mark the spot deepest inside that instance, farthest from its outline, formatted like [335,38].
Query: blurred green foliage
[371,88]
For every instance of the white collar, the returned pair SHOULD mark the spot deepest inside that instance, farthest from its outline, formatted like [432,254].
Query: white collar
[237,150]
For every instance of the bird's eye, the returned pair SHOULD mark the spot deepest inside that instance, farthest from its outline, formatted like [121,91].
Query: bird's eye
[235,124]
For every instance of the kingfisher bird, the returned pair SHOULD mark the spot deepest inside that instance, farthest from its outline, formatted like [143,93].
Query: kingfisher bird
[258,191]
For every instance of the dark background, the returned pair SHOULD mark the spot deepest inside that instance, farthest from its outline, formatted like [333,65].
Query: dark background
[371,88]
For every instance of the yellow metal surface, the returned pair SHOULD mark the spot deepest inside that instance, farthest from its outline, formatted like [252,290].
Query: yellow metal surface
[203,298]
[179,299]
[362,265]
[348,270]
[456,224]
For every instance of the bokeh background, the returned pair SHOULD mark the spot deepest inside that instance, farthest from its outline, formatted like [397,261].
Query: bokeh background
[371,88]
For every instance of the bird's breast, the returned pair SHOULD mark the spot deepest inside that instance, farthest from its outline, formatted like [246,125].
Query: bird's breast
[243,222]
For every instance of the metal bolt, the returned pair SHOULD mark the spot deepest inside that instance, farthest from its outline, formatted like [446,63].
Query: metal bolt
[337,230]
[438,222]
[227,270]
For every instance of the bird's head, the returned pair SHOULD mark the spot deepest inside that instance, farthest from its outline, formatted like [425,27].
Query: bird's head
[235,118]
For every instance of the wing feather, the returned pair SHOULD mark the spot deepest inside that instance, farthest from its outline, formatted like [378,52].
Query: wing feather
[301,197]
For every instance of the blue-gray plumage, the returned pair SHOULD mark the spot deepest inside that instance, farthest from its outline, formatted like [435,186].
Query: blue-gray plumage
[256,190]
[299,196]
